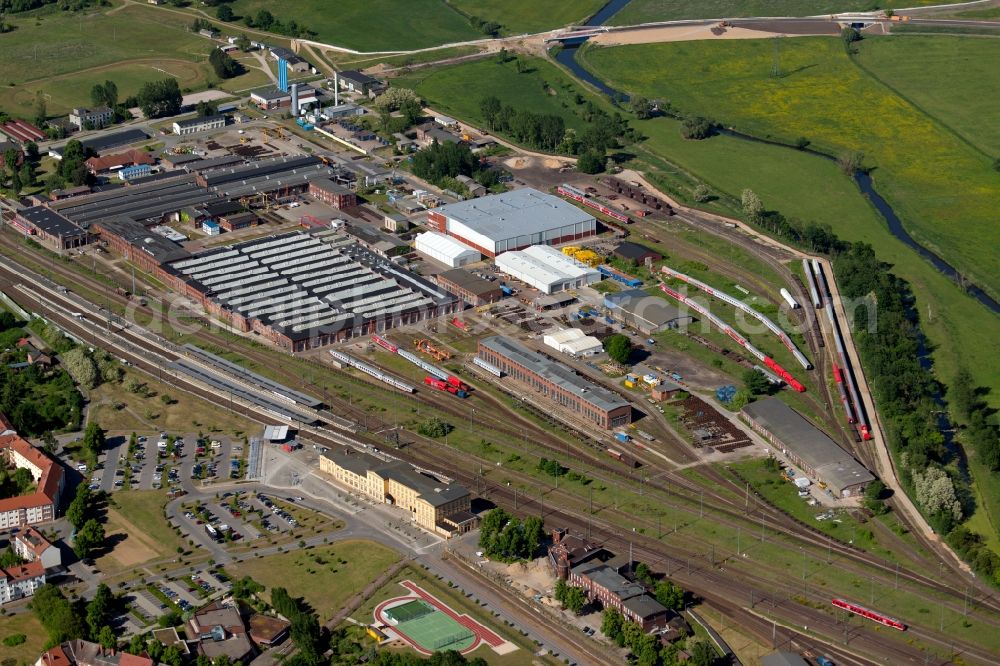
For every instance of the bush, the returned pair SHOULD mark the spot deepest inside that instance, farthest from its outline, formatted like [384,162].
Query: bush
[434,427]
[14,639]
[697,128]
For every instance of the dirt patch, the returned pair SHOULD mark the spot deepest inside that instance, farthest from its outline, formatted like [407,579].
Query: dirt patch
[687,33]
[132,547]
[517,162]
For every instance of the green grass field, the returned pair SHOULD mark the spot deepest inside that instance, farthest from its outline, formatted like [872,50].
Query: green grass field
[326,576]
[458,89]
[520,16]
[944,189]
[29,625]
[371,25]
[47,46]
[643,11]
[946,77]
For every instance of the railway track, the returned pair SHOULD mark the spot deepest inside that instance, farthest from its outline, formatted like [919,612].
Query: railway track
[261,357]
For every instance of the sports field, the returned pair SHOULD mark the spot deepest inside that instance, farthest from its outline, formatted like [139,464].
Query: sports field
[371,25]
[429,624]
[527,16]
[428,627]
[644,11]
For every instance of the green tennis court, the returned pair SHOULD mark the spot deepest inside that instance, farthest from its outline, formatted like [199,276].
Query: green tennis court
[430,628]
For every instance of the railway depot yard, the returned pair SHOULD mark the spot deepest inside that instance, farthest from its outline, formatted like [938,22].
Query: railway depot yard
[353,374]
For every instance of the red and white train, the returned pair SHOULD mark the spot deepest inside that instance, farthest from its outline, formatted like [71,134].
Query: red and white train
[740,340]
[740,305]
[869,614]
[571,192]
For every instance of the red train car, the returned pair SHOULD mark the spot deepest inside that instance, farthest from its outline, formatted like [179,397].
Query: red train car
[869,614]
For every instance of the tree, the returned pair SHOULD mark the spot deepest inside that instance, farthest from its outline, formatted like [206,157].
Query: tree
[611,623]
[26,175]
[642,108]
[702,194]
[171,656]
[874,494]
[15,182]
[618,347]
[702,654]
[670,595]
[81,367]
[137,645]
[160,98]
[742,398]
[851,162]
[434,427]
[223,65]
[31,151]
[41,110]
[205,109]
[99,610]
[590,162]
[88,538]
[850,35]
[757,382]
[10,157]
[935,492]
[107,638]
[57,614]
[752,206]
[243,42]
[105,94]
[77,511]
[575,599]
[93,438]
[643,573]
[697,128]
[224,13]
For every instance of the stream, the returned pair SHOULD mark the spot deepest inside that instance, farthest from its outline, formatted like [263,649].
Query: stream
[863,179]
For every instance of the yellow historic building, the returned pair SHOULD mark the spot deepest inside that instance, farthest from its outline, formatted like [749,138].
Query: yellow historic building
[442,508]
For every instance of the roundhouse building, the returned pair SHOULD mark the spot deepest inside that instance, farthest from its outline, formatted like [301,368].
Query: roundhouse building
[556,382]
[512,221]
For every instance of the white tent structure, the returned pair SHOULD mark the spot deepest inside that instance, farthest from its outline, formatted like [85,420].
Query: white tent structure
[574,342]
[445,249]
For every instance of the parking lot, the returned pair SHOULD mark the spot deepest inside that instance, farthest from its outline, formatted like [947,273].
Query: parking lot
[162,459]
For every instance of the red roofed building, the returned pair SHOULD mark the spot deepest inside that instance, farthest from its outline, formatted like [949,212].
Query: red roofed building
[6,427]
[21,581]
[40,506]
[98,165]
[22,131]
[31,545]
[54,657]
[79,652]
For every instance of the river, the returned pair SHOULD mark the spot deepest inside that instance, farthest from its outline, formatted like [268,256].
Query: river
[863,179]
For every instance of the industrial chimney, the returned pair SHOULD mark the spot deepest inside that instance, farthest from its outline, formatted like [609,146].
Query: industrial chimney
[336,89]
[295,99]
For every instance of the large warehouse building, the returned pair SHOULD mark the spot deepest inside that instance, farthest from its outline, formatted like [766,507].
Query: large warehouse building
[646,313]
[445,249]
[808,447]
[302,292]
[512,221]
[547,269]
[556,382]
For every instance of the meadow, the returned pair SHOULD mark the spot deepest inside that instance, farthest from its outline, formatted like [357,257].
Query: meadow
[943,189]
[945,77]
[643,11]
[458,89]
[62,55]
[325,576]
[528,16]
[371,25]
